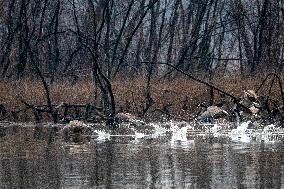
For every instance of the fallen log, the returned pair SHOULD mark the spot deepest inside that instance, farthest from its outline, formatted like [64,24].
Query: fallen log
[81,111]
[13,114]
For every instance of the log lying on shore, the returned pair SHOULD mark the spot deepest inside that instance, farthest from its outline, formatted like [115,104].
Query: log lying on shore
[69,112]
[65,112]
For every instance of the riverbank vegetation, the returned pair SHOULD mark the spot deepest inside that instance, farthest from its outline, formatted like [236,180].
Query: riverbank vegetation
[173,99]
[142,57]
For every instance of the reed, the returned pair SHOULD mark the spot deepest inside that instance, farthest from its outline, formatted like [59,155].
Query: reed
[180,96]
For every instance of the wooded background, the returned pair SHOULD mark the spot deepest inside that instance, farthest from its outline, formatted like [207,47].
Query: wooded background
[76,37]
[105,39]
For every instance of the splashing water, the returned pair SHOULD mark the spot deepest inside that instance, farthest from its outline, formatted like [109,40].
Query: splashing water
[240,133]
[139,135]
[182,133]
[102,135]
[159,131]
[160,155]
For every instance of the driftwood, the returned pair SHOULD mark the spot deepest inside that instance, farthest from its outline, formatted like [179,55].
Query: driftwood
[12,114]
[64,111]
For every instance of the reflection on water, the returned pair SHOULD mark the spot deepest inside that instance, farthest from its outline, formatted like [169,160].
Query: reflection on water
[32,158]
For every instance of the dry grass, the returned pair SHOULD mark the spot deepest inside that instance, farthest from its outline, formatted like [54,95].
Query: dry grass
[128,92]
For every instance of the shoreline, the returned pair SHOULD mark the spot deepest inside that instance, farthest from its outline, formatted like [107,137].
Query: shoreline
[180,98]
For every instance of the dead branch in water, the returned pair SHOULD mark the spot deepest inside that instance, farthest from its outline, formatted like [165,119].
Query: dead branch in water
[85,112]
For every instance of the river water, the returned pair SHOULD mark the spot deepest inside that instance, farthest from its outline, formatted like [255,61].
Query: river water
[175,156]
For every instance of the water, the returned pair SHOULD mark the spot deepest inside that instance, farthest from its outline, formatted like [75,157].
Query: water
[174,155]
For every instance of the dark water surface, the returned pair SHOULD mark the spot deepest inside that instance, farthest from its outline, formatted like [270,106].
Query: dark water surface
[42,159]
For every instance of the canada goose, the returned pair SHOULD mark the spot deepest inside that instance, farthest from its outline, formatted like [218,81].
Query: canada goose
[211,113]
[75,127]
[127,118]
